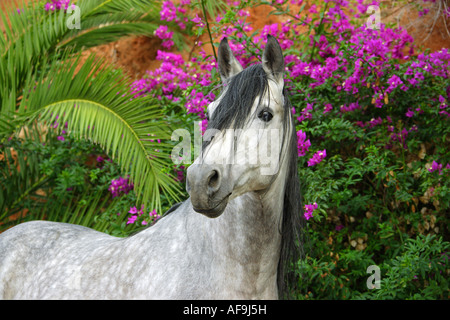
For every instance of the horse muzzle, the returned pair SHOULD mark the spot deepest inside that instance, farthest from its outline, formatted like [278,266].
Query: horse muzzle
[208,189]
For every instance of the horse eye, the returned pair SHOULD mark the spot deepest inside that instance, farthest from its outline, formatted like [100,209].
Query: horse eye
[265,116]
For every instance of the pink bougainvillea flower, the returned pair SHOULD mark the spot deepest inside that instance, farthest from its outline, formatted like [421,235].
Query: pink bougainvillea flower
[56,5]
[328,108]
[317,157]
[132,219]
[435,166]
[302,144]
[153,214]
[309,209]
[409,113]
[120,185]
[393,82]
[133,210]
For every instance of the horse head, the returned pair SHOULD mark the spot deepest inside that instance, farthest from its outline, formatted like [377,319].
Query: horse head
[244,143]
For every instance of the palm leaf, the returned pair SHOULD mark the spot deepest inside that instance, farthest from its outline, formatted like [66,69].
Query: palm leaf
[28,38]
[95,108]
[39,82]
[34,34]
[110,20]
[27,194]
[7,126]
[109,33]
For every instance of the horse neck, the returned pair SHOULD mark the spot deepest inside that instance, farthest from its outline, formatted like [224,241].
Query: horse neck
[258,213]
[246,238]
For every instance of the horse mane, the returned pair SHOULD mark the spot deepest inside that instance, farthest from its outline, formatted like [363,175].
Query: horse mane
[232,112]
[293,219]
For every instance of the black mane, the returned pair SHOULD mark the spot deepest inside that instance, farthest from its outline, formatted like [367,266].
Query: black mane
[238,98]
[293,220]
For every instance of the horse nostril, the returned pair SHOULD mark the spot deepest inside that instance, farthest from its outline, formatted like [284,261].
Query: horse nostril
[214,180]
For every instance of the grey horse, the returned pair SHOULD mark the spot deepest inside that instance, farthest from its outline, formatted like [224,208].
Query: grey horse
[235,237]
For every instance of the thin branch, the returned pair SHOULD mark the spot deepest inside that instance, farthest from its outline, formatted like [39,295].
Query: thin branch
[207,27]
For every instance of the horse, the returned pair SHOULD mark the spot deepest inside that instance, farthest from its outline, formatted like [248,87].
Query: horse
[237,236]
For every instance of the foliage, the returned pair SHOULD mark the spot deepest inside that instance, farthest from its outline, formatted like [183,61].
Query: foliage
[373,140]
[61,178]
[43,81]
[418,272]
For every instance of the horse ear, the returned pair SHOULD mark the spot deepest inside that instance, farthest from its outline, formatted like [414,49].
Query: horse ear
[273,60]
[229,66]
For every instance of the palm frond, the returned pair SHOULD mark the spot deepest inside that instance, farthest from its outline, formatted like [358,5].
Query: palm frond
[212,7]
[28,39]
[34,34]
[109,33]
[111,6]
[99,108]
[80,209]
[41,82]
[7,126]
[113,19]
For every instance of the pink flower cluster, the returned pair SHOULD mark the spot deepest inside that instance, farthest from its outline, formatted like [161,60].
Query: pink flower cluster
[198,21]
[169,12]
[443,106]
[435,166]
[374,50]
[179,173]
[164,34]
[393,83]
[302,144]
[175,75]
[400,136]
[135,214]
[309,209]
[119,186]
[133,211]
[434,64]
[317,158]
[306,113]
[57,5]
[351,107]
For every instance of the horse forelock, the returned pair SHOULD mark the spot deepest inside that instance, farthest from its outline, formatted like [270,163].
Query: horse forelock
[237,99]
